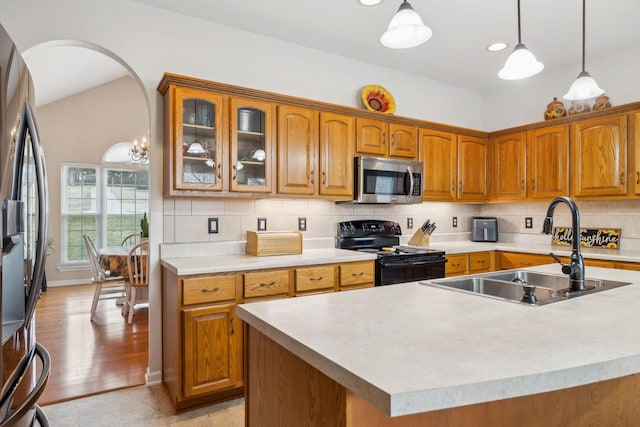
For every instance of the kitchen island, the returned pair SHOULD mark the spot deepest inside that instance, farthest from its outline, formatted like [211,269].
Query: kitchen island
[415,355]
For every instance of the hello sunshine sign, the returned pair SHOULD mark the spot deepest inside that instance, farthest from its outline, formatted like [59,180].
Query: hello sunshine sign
[590,237]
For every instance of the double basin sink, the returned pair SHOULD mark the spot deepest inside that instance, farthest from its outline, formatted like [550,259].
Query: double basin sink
[523,286]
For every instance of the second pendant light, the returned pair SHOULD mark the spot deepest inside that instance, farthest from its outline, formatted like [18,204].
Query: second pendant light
[521,63]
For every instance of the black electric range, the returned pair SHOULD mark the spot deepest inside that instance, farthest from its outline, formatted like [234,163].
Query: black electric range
[395,263]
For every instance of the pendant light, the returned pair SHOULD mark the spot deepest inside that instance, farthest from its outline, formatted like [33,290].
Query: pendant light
[406,29]
[521,63]
[585,86]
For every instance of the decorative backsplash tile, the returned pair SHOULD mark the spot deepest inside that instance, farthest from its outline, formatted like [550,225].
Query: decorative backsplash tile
[592,237]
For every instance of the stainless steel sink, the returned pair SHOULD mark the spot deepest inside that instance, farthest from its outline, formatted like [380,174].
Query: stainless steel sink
[523,286]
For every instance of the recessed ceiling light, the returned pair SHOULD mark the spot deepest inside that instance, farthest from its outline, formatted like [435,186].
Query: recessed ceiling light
[497,47]
[369,2]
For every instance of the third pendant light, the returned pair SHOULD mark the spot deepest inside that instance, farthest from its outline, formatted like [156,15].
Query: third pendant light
[521,63]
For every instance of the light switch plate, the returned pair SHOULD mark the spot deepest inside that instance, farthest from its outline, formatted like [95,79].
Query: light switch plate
[213,225]
[262,224]
[454,222]
[410,223]
[528,222]
[302,224]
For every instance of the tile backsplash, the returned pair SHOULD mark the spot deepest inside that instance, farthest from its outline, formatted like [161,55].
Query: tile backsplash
[186,220]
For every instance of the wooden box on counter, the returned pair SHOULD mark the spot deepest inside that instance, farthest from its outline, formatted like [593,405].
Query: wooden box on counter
[262,243]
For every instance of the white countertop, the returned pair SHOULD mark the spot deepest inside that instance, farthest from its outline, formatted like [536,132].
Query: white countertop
[412,348]
[239,262]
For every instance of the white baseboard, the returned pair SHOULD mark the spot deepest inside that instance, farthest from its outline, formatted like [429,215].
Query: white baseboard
[153,378]
[55,283]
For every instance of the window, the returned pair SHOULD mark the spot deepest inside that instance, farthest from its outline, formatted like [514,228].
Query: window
[105,203]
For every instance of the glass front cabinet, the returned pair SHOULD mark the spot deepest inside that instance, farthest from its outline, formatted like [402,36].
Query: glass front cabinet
[198,140]
[252,127]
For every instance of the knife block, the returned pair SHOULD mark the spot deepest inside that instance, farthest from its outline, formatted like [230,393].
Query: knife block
[419,238]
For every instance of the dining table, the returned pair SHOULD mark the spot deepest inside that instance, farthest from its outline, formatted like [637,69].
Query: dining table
[114,260]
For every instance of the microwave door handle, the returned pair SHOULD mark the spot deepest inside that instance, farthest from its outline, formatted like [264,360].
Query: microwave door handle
[410,192]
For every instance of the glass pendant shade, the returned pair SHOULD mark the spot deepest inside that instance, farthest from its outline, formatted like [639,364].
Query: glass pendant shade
[584,87]
[520,64]
[406,29]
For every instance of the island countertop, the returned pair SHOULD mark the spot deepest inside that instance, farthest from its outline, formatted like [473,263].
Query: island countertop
[412,348]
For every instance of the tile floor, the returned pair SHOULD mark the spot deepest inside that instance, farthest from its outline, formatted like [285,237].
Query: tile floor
[141,406]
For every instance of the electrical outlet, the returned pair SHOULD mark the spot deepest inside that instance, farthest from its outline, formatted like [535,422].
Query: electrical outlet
[454,223]
[213,225]
[528,222]
[262,224]
[302,224]
[410,223]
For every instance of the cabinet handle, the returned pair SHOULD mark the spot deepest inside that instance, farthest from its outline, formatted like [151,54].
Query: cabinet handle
[312,180]
[638,179]
[522,184]
[533,182]
[219,169]
[460,186]
[357,274]
[235,176]
[481,261]
[316,279]
[621,177]
[453,185]
[393,141]
[456,265]
[233,331]
[264,285]
[384,138]
[205,290]
[324,178]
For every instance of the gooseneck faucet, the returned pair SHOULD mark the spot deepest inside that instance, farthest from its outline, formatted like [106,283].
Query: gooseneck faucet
[575,269]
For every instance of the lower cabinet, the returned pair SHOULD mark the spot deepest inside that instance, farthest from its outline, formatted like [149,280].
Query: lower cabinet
[511,260]
[202,342]
[469,263]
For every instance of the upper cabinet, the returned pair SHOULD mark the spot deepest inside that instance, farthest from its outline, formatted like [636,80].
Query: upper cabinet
[599,157]
[548,162]
[382,139]
[195,151]
[337,142]
[509,166]
[634,150]
[252,145]
[454,166]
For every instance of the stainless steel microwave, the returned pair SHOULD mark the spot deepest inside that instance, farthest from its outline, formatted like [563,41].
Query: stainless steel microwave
[387,181]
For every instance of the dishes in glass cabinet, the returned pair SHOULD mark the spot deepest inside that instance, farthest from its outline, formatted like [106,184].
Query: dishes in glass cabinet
[377,98]
[195,149]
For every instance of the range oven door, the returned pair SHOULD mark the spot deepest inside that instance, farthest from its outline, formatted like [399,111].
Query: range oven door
[391,272]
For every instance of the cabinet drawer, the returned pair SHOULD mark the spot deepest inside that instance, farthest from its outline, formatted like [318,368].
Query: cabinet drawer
[479,261]
[199,290]
[315,278]
[509,260]
[266,283]
[456,264]
[357,273]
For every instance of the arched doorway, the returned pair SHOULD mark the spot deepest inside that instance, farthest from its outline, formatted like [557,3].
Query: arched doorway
[87,99]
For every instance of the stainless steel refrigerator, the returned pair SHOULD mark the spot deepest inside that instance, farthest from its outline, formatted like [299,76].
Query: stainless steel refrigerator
[24,364]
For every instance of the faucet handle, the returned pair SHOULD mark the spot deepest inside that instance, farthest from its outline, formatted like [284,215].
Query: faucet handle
[566,268]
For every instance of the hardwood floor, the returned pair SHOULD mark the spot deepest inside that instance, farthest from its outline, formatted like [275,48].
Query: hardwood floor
[89,357]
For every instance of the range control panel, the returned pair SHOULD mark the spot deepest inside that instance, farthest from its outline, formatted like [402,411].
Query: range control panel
[363,228]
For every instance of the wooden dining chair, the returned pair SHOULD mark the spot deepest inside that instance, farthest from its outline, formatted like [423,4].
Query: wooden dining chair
[131,240]
[106,287]
[138,280]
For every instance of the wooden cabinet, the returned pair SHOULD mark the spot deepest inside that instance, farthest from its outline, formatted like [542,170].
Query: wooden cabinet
[382,139]
[548,162]
[599,157]
[193,141]
[297,150]
[455,166]
[472,168]
[438,154]
[202,345]
[356,275]
[634,154]
[252,145]
[337,144]
[509,166]
[212,349]
[469,263]
[510,260]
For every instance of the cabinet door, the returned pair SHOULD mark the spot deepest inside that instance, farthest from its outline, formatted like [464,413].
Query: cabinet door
[355,275]
[472,168]
[456,265]
[634,145]
[315,279]
[212,349]
[371,137]
[548,162]
[297,148]
[437,151]
[404,141]
[599,157]
[509,166]
[197,145]
[252,139]
[337,144]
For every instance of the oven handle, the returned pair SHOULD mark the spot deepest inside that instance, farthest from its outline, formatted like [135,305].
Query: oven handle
[409,263]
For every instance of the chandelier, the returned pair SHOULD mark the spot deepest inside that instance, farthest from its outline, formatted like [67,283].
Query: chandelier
[140,153]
